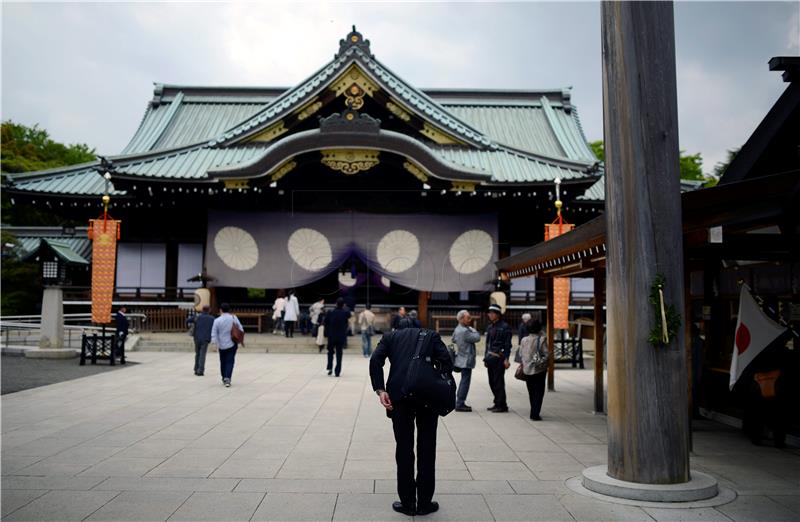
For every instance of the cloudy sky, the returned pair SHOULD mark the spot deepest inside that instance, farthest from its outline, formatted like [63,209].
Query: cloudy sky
[85,71]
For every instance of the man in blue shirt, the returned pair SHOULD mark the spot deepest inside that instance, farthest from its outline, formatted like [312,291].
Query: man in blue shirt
[203,324]
[221,336]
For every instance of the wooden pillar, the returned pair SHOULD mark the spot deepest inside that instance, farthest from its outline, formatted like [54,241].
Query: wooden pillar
[551,363]
[422,307]
[648,435]
[599,355]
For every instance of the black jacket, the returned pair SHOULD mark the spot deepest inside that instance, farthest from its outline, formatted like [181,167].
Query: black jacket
[203,324]
[336,323]
[122,323]
[498,339]
[399,347]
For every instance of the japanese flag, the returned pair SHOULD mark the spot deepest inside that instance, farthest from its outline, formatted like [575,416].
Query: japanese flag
[754,332]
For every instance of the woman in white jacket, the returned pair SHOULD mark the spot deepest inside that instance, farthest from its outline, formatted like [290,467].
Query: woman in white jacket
[291,313]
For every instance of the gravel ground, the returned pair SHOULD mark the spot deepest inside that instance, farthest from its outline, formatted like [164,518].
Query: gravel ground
[20,373]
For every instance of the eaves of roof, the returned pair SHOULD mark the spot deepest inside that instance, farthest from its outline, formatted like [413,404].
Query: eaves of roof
[75,180]
[76,248]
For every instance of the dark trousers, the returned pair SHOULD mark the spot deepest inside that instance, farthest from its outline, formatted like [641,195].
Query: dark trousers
[497,381]
[200,349]
[226,360]
[404,414]
[335,347]
[119,349]
[288,328]
[463,387]
[535,385]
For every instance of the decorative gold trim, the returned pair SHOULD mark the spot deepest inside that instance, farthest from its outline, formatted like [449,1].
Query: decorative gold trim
[236,183]
[308,109]
[270,133]
[463,186]
[350,161]
[354,75]
[416,171]
[438,136]
[398,110]
[354,97]
[283,170]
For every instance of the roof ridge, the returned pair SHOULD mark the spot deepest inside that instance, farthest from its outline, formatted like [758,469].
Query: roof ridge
[66,169]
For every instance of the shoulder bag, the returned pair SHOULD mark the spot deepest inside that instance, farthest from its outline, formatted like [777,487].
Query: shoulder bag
[428,384]
[237,334]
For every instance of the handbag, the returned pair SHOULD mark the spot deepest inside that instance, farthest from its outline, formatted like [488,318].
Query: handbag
[428,384]
[237,335]
[520,374]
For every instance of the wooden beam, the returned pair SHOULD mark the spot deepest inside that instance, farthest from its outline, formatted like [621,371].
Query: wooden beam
[551,333]
[422,305]
[648,433]
[599,352]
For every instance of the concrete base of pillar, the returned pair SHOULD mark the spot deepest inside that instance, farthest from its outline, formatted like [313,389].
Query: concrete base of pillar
[700,487]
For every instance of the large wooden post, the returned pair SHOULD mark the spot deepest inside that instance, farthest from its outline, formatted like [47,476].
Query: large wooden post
[647,422]
[599,352]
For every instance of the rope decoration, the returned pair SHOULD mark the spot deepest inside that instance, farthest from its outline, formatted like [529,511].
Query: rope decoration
[667,319]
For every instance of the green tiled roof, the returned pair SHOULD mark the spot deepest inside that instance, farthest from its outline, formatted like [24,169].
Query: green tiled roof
[65,252]
[511,136]
[76,247]
[76,180]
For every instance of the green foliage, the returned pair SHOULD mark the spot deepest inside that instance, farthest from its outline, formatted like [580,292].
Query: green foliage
[597,148]
[256,293]
[26,149]
[722,166]
[19,280]
[656,337]
[691,165]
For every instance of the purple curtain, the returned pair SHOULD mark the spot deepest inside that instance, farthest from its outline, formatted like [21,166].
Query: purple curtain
[440,253]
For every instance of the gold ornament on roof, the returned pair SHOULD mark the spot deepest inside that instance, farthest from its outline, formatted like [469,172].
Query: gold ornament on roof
[350,161]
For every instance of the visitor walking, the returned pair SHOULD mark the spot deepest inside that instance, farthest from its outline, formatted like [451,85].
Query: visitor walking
[414,319]
[277,312]
[314,311]
[291,313]
[121,334]
[321,342]
[534,356]
[498,350]
[416,495]
[336,324]
[221,336]
[203,323]
[366,322]
[464,337]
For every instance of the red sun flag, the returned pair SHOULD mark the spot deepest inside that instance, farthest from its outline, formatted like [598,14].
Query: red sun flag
[742,338]
[754,332]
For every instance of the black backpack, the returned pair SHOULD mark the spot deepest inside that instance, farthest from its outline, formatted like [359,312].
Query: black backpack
[427,384]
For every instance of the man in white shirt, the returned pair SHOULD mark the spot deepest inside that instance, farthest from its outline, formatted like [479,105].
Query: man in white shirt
[221,336]
[366,323]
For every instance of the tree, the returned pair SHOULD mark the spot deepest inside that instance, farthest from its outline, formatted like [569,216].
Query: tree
[691,165]
[19,280]
[27,149]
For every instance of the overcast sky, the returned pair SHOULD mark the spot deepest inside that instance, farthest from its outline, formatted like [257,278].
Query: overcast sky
[85,71]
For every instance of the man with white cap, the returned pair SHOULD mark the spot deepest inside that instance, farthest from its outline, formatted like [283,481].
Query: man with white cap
[496,358]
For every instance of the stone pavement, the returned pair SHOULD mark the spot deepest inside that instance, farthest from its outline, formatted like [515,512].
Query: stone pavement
[288,442]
